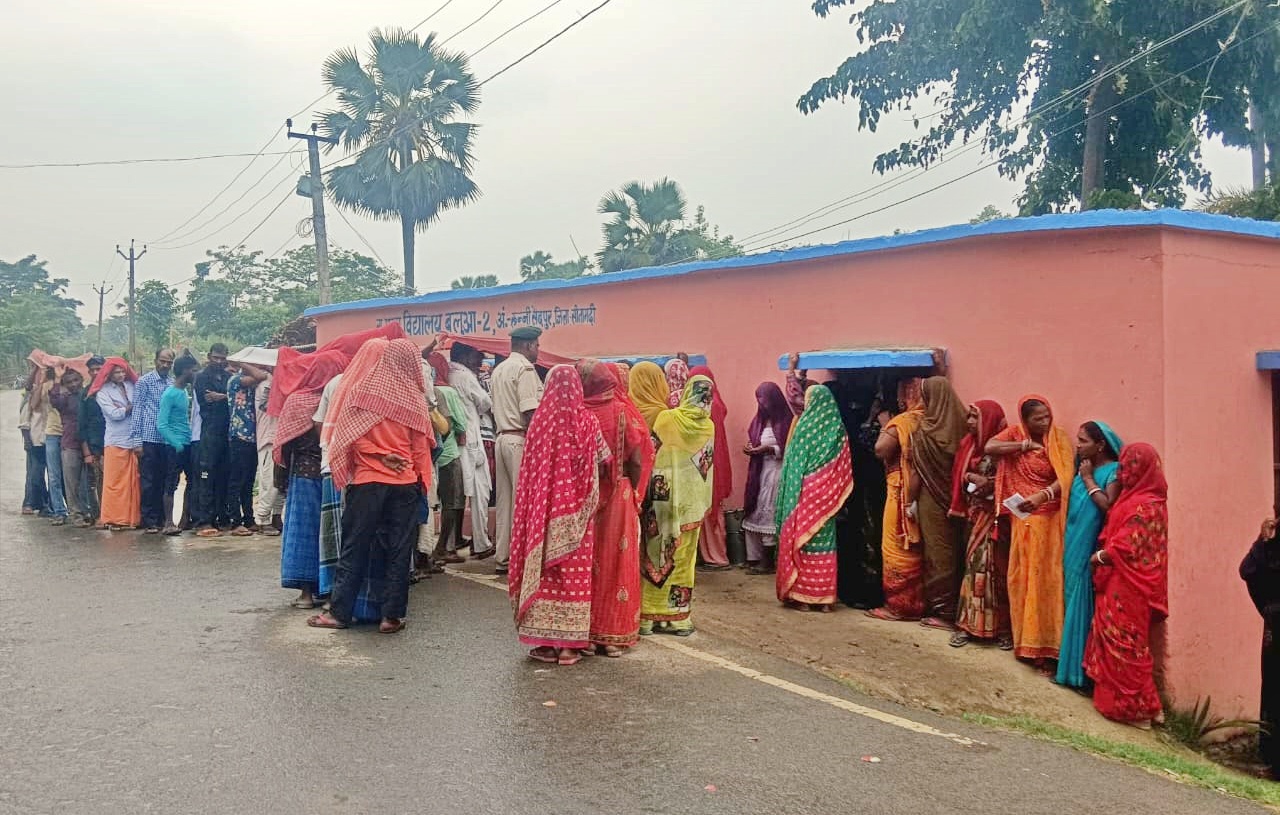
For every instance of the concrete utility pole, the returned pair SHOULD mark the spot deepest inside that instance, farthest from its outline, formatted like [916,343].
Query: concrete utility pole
[102,294]
[133,336]
[317,206]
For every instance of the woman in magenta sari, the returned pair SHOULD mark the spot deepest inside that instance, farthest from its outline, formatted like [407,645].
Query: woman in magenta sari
[553,528]
[712,545]
[1130,575]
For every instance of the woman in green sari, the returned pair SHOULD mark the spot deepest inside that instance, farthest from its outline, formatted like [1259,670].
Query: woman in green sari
[817,478]
[680,492]
[1093,490]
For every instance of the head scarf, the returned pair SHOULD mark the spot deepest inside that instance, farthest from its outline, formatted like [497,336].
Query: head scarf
[1111,437]
[1136,537]
[383,383]
[723,485]
[104,373]
[649,391]
[677,373]
[772,411]
[990,422]
[441,367]
[938,438]
[559,486]
[817,478]
[1058,447]
[623,371]
[623,427]
[291,365]
[296,416]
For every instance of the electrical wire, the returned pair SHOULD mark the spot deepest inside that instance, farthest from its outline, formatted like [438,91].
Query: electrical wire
[468,26]
[352,227]
[526,20]
[252,207]
[547,42]
[106,162]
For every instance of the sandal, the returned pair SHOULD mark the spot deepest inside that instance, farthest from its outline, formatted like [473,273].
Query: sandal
[241,532]
[303,604]
[545,654]
[270,532]
[151,530]
[937,622]
[886,615]
[171,531]
[959,639]
[610,651]
[208,532]
[1005,643]
[391,625]
[323,620]
[572,659]
[759,570]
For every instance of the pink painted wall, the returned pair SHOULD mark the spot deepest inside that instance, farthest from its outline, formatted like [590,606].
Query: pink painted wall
[1219,306]
[1078,317]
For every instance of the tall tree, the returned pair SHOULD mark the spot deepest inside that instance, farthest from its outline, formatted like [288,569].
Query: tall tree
[34,311]
[648,227]
[1132,129]
[157,306]
[401,111]
[483,281]
[540,265]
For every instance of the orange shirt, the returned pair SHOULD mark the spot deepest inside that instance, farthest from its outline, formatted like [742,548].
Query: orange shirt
[386,438]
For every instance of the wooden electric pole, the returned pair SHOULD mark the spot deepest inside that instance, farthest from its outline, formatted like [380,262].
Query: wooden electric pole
[102,293]
[133,336]
[317,206]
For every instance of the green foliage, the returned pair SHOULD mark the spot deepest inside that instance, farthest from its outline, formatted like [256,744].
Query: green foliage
[401,112]
[986,61]
[648,227]
[484,281]
[34,313]
[237,294]
[541,266]
[989,213]
[1190,727]
[157,306]
[1261,205]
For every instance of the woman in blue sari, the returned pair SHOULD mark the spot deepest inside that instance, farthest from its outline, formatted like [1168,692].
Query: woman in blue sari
[1093,490]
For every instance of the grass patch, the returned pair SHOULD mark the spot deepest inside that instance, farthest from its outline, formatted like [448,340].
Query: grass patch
[1186,768]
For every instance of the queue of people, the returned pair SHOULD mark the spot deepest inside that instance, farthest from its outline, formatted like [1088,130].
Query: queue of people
[608,483]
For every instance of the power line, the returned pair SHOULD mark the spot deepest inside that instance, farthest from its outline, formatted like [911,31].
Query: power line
[193,230]
[520,24]
[547,42]
[106,162]
[468,26]
[287,181]
[428,18]
[352,227]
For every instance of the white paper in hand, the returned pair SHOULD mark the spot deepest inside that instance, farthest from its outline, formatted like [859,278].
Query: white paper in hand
[1014,504]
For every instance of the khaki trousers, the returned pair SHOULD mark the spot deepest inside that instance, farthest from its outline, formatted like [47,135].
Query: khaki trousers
[509,451]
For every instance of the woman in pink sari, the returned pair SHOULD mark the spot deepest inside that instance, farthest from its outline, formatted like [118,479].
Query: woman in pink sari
[553,527]
[615,575]
[712,545]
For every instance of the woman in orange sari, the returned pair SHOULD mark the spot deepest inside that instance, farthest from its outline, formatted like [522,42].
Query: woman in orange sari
[1036,462]
[1130,574]
[615,572]
[900,545]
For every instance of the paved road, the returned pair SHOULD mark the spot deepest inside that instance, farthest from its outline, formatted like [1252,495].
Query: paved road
[168,675]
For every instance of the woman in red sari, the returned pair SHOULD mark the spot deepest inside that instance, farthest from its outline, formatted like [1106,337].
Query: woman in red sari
[615,574]
[553,528]
[713,545]
[1130,574]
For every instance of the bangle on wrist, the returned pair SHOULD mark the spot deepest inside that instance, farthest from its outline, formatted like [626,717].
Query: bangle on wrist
[1094,491]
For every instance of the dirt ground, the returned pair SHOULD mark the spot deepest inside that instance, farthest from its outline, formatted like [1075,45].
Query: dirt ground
[901,662]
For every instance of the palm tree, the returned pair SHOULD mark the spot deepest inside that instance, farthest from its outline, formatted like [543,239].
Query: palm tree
[646,220]
[484,281]
[1261,204]
[399,112]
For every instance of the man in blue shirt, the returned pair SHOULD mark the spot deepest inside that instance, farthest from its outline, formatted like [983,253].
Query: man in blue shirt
[159,466]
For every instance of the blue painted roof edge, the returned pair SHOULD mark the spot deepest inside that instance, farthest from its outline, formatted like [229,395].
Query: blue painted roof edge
[1096,219]
[848,358]
[1268,360]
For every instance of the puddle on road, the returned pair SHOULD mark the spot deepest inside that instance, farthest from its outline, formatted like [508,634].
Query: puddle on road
[320,645]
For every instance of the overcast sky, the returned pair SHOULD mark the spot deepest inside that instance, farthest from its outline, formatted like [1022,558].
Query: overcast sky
[702,91]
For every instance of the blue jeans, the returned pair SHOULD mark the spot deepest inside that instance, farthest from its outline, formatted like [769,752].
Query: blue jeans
[37,494]
[53,460]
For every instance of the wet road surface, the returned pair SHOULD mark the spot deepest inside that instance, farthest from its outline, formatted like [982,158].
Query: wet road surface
[147,674]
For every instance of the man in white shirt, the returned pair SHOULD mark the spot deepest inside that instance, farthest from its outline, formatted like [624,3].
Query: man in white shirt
[464,362]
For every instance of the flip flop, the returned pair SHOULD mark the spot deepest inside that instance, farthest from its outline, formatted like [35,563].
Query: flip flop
[959,639]
[303,606]
[171,531]
[390,626]
[325,621]
[886,615]
[549,658]
[937,622]
[573,659]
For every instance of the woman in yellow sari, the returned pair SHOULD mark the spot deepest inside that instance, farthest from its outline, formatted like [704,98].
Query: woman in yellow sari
[680,494]
[647,387]
[900,544]
[1037,462]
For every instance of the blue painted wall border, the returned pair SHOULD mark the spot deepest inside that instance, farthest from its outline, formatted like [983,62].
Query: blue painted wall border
[1269,360]
[1097,219]
[856,358]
